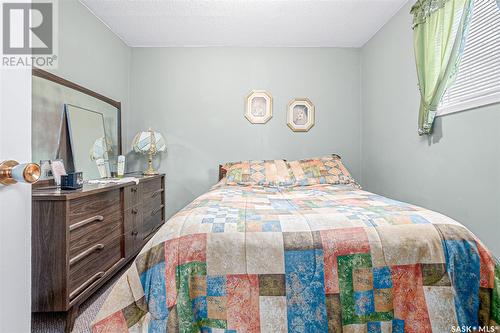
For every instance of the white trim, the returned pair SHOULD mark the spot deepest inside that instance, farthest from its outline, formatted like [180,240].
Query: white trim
[470,104]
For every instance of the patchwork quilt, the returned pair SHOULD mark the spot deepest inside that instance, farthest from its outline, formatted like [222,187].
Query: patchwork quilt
[319,258]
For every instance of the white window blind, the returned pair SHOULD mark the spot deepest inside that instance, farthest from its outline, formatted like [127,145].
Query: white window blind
[478,79]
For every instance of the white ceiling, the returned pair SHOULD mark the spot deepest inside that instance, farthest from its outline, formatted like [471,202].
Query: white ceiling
[310,23]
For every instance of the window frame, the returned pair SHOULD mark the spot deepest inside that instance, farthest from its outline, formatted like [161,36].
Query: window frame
[473,103]
[470,104]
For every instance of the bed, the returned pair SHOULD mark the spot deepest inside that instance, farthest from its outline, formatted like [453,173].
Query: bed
[318,258]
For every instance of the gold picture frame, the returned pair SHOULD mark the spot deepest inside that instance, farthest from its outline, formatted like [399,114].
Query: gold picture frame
[259,107]
[300,115]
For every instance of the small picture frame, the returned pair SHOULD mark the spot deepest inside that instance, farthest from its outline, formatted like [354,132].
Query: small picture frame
[259,107]
[58,169]
[300,115]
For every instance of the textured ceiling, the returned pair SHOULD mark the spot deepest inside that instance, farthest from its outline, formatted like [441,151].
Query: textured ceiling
[313,23]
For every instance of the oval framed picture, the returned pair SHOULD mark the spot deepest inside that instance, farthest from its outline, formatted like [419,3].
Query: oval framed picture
[259,107]
[300,115]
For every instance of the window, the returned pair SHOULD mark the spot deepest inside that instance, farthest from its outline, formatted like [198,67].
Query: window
[478,79]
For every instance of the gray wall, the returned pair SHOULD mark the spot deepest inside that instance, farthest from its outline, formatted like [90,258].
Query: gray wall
[456,171]
[195,97]
[91,55]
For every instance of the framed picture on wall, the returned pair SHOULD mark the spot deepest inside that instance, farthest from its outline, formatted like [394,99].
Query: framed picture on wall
[259,107]
[300,115]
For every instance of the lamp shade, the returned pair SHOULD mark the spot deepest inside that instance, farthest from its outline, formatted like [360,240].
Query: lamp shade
[100,149]
[149,141]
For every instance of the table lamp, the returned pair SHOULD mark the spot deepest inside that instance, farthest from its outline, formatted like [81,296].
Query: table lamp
[101,148]
[149,143]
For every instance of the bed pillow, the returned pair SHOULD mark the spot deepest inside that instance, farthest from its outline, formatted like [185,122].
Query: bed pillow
[263,173]
[323,170]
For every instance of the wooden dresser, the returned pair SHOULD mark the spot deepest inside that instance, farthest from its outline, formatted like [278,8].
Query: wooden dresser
[81,238]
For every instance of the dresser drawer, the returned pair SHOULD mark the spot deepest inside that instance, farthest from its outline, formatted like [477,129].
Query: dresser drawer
[131,196]
[101,204]
[133,242]
[152,220]
[93,231]
[91,264]
[151,204]
[152,187]
[132,218]
[132,225]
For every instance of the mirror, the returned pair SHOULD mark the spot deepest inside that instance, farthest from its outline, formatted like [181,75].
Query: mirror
[50,137]
[88,141]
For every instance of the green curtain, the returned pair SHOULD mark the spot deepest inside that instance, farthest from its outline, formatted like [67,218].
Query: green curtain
[439,32]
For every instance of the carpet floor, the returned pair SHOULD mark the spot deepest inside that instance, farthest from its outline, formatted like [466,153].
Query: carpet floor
[55,322]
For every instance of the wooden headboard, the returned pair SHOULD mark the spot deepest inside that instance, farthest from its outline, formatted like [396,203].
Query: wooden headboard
[222,172]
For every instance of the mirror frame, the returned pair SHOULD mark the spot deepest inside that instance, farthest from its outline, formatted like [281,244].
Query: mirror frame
[59,80]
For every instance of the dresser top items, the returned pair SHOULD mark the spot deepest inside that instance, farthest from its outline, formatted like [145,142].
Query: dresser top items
[54,193]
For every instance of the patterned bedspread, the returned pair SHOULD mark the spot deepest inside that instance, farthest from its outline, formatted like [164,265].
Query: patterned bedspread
[306,259]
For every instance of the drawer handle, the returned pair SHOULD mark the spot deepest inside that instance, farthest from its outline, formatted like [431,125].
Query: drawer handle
[134,233]
[133,189]
[134,211]
[75,296]
[155,193]
[85,222]
[154,212]
[87,252]
[86,284]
